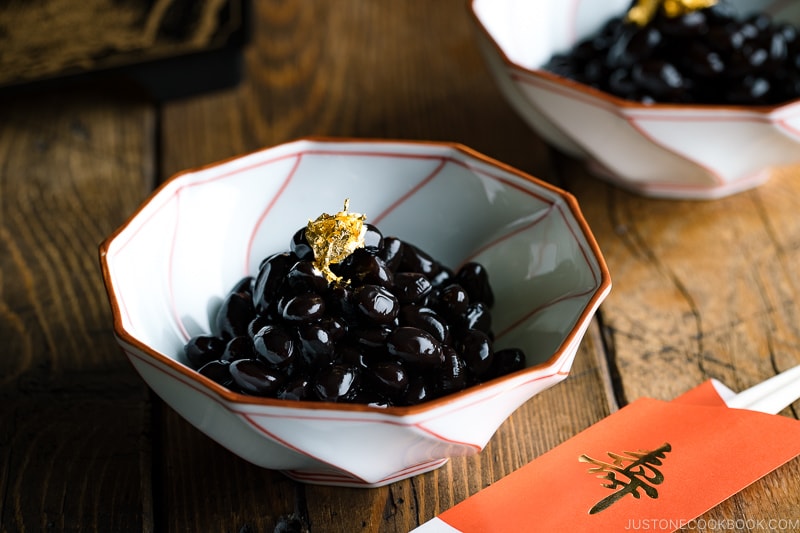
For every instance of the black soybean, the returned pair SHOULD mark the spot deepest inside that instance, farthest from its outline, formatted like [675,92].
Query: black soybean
[390,377]
[475,280]
[270,277]
[415,260]
[300,247]
[240,347]
[303,276]
[234,315]
[275,345]
[336,327]
[411,287]
[453,301]
[419,390]
[296,389]
[454,371]
[373,238]
[363,267]
[401,329]
[506,361]
[218,371]
[375,304]
[203,349]
[478,317]
[442,277]
[392,252]
[317,343]
[371,336]
[337,383]
[245,285]
[303,307]
[707,56]
[351,354]
[427,319]
[415,346]
[252,376]
[476,350]
[339,302]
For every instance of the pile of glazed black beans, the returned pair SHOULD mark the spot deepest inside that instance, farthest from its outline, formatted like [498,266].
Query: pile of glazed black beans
[404,329]
[708,56]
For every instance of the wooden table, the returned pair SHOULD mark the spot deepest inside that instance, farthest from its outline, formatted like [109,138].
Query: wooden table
[701,289]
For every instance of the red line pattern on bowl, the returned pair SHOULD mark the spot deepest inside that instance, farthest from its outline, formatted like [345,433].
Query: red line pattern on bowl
[787,128]
[250,417]
[573,18]
[269,207]
[634,115]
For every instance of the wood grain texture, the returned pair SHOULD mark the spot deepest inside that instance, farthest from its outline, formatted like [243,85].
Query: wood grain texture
[74,416]
[706,289]
[354,69]
[702,290]
[77,37]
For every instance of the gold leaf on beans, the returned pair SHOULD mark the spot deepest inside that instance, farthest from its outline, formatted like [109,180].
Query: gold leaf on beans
[334,237]
[644,10]
[676,8]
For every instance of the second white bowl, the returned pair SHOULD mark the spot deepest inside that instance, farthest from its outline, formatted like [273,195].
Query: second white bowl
[662,150]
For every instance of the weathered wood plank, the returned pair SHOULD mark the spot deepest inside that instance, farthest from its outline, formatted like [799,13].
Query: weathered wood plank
[74,416]
[702,289]
[354,69]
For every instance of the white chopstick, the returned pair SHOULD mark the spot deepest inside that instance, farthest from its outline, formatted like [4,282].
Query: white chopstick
[770,396]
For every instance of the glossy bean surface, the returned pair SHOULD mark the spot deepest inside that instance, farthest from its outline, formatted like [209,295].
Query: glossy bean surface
[398,328]
[707,56]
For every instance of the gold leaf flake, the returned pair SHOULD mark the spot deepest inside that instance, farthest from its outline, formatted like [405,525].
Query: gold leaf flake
[334,237]
[644,10]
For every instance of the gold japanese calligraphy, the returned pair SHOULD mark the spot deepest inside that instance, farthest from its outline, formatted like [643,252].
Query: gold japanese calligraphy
[628,474]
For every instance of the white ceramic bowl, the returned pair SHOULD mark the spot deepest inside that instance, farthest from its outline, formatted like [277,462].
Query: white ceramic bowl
[168,267]
[660,150]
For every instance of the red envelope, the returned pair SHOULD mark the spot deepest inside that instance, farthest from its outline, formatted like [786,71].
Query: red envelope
[652,465]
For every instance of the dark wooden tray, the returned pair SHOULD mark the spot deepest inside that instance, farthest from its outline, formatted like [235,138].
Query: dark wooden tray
[172,48]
